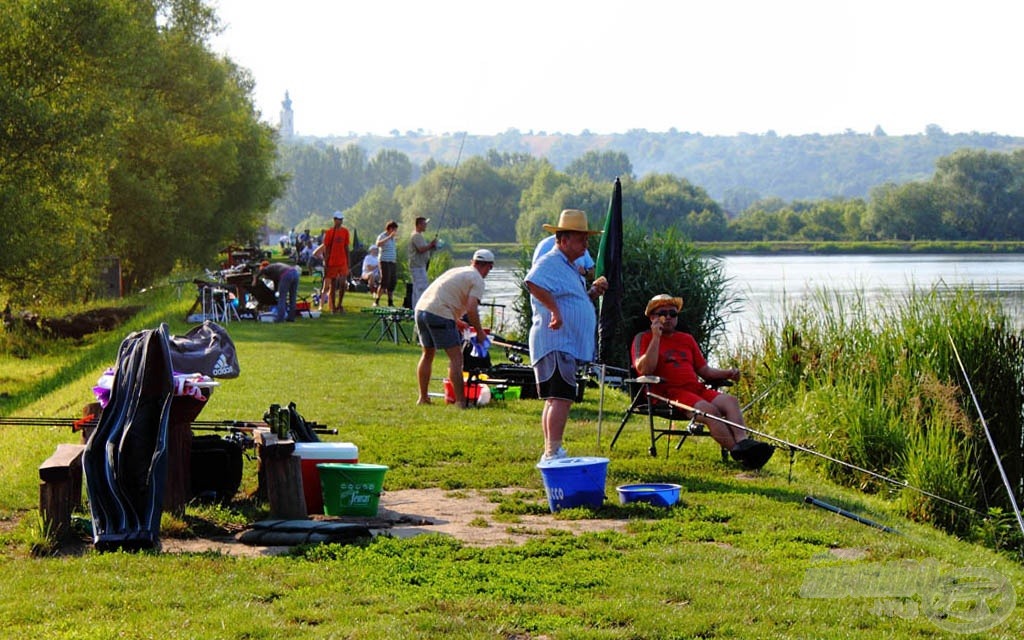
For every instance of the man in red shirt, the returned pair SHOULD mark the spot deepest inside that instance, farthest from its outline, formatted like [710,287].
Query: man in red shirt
[675,357]
[334,252]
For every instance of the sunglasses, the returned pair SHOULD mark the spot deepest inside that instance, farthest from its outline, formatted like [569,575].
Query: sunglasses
[671,313]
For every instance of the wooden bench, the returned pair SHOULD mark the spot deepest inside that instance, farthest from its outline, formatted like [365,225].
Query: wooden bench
[60,489]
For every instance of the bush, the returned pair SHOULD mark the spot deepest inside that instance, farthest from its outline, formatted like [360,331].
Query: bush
[876,384]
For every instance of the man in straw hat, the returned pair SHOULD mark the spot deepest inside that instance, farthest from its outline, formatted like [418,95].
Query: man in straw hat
[564,321]
[674,357]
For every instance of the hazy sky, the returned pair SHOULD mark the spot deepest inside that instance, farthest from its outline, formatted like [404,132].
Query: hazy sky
[718,67]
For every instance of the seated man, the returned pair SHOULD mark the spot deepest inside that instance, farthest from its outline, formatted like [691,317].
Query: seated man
[675,357]
[371,270]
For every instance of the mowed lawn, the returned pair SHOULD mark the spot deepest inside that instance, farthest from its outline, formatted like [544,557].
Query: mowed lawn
[741,556]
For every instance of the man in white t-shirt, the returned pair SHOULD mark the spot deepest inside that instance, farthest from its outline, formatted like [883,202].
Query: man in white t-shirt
[371,270]
[455,293]
[419,258]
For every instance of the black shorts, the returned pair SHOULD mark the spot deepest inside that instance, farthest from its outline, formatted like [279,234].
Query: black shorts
[560,384]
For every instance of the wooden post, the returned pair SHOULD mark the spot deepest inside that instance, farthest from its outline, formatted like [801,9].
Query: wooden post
[91,409]
[60,489]
[280,469]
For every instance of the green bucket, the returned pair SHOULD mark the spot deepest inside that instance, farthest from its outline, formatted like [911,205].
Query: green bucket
[351,489]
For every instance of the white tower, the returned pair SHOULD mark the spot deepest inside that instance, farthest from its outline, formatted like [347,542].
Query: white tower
[287,126]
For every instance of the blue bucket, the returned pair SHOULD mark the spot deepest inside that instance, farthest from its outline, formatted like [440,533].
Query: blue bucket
[574,482]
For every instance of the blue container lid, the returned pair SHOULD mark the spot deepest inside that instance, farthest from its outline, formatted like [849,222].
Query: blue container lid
[568,463]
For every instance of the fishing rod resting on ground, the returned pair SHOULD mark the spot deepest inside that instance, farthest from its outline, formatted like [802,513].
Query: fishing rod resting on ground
[988,435]
[197,425]
[847,514]
[793,448]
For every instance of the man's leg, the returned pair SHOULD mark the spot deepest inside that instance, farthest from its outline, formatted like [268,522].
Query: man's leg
[722,433]
[343,278]
[423,370]
[293,293]
[281,308]
[554,416]
[419,284]
[336,284]
[455,374]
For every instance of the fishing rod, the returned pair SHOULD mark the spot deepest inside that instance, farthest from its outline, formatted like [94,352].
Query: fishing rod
[793,447]
[451,183]
[848,514]
[197,425]
[988,435]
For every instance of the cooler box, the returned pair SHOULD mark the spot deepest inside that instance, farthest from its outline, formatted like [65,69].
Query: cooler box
[314,453]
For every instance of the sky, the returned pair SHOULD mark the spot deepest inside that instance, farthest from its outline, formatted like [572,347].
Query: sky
[716,67]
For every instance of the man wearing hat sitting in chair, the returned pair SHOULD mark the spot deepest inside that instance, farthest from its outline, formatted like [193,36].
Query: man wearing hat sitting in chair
[564,320]
[675,357]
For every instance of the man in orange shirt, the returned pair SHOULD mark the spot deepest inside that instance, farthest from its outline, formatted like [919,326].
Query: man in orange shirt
[334,251]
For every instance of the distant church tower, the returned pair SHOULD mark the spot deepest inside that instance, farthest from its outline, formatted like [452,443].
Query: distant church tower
[287,127]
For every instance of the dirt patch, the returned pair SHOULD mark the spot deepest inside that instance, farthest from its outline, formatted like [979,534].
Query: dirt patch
[74,326]
[469,516]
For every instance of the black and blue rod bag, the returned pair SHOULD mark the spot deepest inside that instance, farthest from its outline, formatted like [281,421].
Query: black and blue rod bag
[125,459]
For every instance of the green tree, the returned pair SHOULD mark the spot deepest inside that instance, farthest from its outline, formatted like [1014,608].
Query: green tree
[601,166]
[911,211]
[123,134]
[390,169]
[60,66]
[986,193]
[668,201]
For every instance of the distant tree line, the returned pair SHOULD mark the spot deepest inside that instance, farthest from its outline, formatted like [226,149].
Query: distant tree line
[498,197]
[735,170]
[973,195]
[122,135]
[507,197]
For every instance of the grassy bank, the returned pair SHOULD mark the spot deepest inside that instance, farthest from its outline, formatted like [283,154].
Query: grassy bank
[738,558]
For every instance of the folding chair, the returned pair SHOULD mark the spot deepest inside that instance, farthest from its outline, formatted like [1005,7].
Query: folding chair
[639,386]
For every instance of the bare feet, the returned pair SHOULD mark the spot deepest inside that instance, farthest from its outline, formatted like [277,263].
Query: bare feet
[423,401]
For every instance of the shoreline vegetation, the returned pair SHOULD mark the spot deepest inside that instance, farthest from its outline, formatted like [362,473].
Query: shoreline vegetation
[861,248]
[508,250]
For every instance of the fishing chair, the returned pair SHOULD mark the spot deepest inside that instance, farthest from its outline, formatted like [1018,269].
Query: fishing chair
[641,404]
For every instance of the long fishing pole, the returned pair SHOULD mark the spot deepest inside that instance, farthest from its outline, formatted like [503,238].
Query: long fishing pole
[988,435]
[795,447]
[198,425]
[451,183]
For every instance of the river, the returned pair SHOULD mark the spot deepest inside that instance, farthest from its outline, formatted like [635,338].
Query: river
[764,283]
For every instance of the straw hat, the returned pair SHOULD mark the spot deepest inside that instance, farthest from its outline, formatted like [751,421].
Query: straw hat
[571,220]
[663,300]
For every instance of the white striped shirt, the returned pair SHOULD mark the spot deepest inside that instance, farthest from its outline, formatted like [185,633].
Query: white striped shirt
[553,273]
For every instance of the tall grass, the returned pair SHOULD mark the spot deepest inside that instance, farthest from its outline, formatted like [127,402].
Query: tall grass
[875,383]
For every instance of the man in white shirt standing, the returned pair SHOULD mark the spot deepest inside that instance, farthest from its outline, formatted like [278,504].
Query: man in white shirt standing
[419,258]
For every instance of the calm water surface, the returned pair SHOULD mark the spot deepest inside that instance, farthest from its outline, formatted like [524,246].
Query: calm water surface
[766,283]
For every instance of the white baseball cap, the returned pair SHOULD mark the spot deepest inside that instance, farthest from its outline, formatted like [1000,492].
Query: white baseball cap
[483,255]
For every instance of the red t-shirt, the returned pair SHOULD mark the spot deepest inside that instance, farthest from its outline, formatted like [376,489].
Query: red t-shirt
[679,357]
[336,248]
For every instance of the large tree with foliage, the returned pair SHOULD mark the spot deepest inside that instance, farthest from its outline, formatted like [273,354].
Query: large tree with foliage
[57,62]
[123,134]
